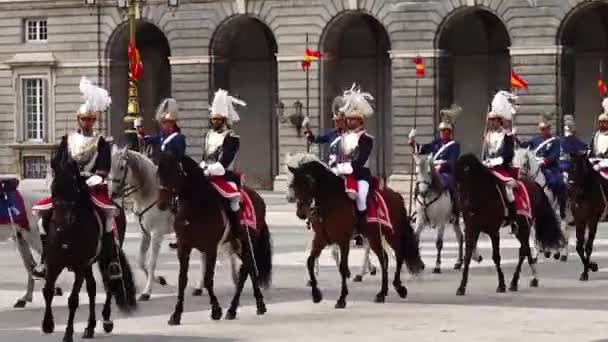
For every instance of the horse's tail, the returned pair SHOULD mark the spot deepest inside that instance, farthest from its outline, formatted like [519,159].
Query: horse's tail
[122,289]
[263,256]
[409,247]
[548,231]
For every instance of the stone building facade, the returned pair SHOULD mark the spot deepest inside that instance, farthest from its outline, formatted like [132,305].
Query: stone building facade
[254,47]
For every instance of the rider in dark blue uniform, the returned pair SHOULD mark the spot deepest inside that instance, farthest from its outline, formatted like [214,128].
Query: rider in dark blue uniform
[332,137]
[547,149]
[570,143]
[171,138]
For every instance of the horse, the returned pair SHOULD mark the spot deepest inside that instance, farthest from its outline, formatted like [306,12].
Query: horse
[525,161]
[587,195]
[201,224]
[483,206]
[74,242]
[321,195]
[434,208]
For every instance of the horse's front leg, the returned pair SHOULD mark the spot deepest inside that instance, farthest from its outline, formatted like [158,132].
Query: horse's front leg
[242,277]
[471,242]
[183,255]
[460,238]
[568,228]
[524,240]
[198,290]
[439,246]
[375,241]
[580,248]
[89,331]
[344,274]
[589,246]
[73,306]
[28,263]
[315,251]
[210,260]
[144,246]
[48,322]
[495,238]
[367,264]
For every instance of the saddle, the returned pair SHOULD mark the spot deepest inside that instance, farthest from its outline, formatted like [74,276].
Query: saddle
[377,210]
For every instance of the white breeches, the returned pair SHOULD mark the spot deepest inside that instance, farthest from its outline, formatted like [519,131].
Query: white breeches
[361,199]
[235,203]
[509,186]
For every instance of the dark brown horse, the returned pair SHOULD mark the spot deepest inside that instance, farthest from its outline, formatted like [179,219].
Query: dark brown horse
[201,224]
[586,191]
[321,196]
[74,238]
[482,204]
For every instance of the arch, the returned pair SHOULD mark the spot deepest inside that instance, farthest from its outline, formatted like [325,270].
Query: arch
[583,35]
[155,84]
[356,47]
[474,63]
[244,63]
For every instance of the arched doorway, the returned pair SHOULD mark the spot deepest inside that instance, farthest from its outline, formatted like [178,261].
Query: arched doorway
[244,63]
[473,65]
[154,86]
[356,47]
[584,39]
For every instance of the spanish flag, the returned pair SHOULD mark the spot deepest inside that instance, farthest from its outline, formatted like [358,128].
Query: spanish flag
[419,67]
[136,67]
[517,82]
[601,85]
[310,56]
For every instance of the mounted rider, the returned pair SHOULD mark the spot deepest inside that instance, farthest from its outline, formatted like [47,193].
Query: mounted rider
[599,143]
[570,144]
[444,150]
[499,149]
[356,149]
[92,153]
[221,145]
[170,137]
[546,148]
[332,137]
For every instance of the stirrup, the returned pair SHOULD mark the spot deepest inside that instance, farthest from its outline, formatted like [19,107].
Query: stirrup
[114,270]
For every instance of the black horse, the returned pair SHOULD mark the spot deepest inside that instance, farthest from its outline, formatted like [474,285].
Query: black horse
[483,208]
[586,189]
[74,240]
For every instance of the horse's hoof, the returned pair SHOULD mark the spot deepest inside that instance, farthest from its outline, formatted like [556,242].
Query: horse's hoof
[230,315]
[88,333]
[144,297]
[461,291]
[162,281]
[58,292]
[358,278]
[19,304]
[479,259]
[48,326]
[437,270]
[108,326]
[593,267]
[534,282]
[402,291]
[216,313]
[317,297]
[556,256]
[261,309]
[584,277]
[373,271]
[341,304]
[458,266]
[513,288]
[379,298]
[68,338]
[197,292]
[175,319]
[501,289]
[564,258]
[547,254]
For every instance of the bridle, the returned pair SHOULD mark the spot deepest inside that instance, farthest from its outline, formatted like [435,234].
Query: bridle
[125,190]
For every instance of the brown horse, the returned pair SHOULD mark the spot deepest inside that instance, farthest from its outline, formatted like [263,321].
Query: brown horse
[482,204]
[321,196]
[201,224]
[586,191]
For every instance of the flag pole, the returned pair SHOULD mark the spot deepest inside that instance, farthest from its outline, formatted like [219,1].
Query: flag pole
[414,152]
[307,96]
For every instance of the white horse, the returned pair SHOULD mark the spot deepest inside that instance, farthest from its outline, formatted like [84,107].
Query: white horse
[434,208]
[27,240]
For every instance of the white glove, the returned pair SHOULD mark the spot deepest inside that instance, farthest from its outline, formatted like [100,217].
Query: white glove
[493,162]
[603,163]
[216,169]
[335,171]
[202,165]
[514,131]
[345,168]
[412,134]
[94,180]
[597,167]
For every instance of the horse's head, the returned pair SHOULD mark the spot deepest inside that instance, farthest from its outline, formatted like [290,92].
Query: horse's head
[120,175]
[170,176]
[469,171]
[302,187]
[525,161]
[424,173]
[294,162]
[68,190]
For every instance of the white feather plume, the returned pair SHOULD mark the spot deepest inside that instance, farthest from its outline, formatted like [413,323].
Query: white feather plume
[168,105]
[96,99]
[223,106]
[356,101]
[605,105]
[502,105]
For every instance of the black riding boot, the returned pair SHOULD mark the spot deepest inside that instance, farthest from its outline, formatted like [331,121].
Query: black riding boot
[110,253]
[512,218]
[360,227]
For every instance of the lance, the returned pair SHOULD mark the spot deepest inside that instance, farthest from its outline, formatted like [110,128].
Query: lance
[307,119]
[419,73]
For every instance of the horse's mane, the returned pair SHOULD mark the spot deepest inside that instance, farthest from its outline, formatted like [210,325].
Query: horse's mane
[328,183]
[298,159]
[590,179]
[436,181]
[198,188]
[467,167]
[68,173]
[144,171]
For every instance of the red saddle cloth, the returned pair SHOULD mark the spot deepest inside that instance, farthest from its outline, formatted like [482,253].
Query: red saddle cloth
[377,210]
[228,190]
[13,201]
[604,173]
[522,198]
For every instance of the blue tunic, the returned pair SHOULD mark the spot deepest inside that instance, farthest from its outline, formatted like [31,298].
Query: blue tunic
[445,158]
[570,145]
[550,153]
[333,138]
[177,144]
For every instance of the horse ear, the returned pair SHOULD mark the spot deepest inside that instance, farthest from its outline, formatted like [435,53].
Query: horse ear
[291,169]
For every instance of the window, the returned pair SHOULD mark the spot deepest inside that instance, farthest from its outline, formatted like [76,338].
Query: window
[35,30]
[34,167]
[34,109]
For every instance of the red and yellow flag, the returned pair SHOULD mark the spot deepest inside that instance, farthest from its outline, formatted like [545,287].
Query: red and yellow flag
[601,86]
[419,67]
[517,82]
[310,56]
[136,67]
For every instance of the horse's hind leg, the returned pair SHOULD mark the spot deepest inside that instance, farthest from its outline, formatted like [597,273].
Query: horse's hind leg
[397,284]
[460,238]
[210,259]
[566,249]
[242,277]
[523,253]
[106,313]
[580,249]
[73,305]
[344,273]
[496,258]
[89,331]
[367,264]
[144,246]
[471,243]
[198,291]
[315,251]
[589,247]
[183,255]
[375,240]
[439,246]
[28,263]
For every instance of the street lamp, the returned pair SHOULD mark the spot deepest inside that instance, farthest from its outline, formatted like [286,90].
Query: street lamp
[296,117]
